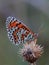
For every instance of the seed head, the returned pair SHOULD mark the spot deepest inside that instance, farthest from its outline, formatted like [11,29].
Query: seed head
[32,51]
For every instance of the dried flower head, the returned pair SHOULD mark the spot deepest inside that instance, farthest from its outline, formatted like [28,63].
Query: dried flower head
[32,51]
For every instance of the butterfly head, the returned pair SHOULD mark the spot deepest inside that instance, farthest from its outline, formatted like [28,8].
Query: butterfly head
[35,37]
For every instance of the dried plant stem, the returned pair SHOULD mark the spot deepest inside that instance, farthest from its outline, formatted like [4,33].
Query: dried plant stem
[33,63]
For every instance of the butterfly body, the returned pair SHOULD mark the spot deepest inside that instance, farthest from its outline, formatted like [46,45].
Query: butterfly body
[17,31]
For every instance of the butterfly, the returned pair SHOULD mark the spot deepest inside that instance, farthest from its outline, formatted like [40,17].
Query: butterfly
[18,32]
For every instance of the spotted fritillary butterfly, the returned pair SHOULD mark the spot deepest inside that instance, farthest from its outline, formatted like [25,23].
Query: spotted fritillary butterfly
[18,32]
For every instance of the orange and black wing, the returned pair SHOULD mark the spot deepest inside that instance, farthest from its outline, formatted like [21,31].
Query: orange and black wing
[17,31]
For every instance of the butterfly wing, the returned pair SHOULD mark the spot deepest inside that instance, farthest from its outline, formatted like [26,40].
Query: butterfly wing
[17,31]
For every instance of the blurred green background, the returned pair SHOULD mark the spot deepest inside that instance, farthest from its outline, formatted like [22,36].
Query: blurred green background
[33,13]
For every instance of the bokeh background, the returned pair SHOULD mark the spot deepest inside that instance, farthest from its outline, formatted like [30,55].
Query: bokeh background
[33,13]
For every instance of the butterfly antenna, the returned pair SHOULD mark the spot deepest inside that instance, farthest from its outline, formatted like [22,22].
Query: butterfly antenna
[40,30]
